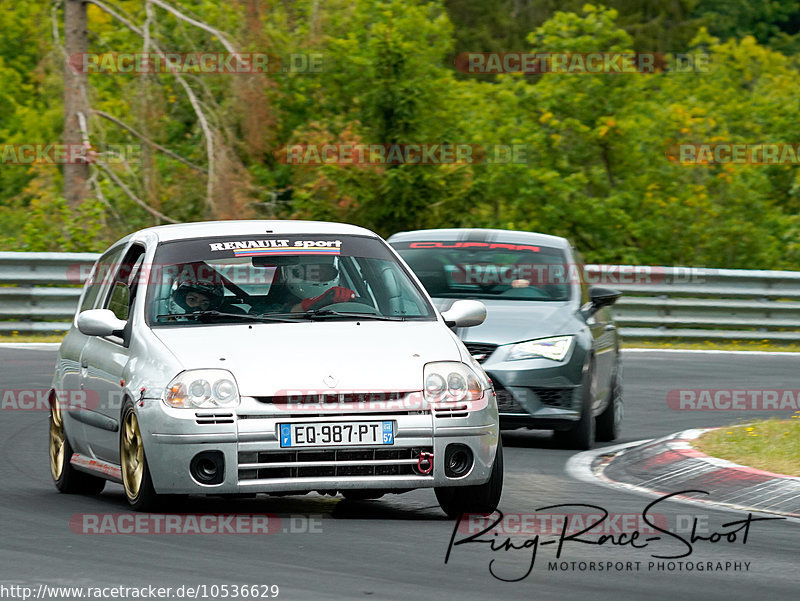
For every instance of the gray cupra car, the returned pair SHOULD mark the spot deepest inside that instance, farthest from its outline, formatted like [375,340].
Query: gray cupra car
[245,357]
[548,343]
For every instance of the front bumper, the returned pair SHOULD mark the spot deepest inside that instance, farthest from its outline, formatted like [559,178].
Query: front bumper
[254,462]
[536,393]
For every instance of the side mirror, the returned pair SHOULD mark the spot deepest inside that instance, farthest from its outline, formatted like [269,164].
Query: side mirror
[601,297]
[465,314]
[100,322]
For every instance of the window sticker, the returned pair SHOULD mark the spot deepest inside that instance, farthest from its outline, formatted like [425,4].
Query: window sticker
[475,245]
[260,248]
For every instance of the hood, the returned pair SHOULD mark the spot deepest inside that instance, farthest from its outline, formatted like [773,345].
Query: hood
[271,359]
[515,321]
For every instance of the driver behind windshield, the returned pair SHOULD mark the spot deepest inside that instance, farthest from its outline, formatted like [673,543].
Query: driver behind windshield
[198,294]
[309,283]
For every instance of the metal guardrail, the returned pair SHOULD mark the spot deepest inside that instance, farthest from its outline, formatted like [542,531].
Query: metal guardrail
[39,293]
[703,304]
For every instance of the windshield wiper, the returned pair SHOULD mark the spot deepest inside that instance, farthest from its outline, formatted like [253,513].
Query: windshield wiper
[212,315]
[332,314]
[320,314]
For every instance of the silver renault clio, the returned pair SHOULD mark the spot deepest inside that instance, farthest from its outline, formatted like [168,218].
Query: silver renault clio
[282,357]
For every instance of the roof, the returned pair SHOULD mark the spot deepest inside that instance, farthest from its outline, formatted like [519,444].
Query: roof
[252,227]
[482,235]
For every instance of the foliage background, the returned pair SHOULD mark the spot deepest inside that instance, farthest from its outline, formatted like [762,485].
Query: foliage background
[598,172]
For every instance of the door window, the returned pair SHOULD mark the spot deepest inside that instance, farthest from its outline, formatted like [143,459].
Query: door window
[123,290]
[99,277]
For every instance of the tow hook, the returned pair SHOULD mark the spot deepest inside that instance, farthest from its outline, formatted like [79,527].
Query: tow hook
[425,463]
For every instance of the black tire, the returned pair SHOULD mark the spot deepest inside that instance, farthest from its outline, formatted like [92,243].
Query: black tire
[581,435]
[609,422]
[479,498]
[67,479]
[137,483]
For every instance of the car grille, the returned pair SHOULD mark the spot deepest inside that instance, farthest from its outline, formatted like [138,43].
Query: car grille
[456,410]
[314,404]
[552,397]
[506,403]
[213,418]
[265,465]
[301,398]
[480,350]
[555,397]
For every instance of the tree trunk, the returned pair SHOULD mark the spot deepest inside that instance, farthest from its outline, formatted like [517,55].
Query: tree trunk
[76,176]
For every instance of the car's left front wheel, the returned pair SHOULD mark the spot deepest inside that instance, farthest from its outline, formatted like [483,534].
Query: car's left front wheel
[609,422]
[66,478]
[135,473]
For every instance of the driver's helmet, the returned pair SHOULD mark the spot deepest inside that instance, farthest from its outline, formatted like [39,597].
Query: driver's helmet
[311,276]
[197,294]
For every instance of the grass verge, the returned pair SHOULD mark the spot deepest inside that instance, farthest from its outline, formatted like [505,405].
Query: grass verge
[714,345]
[31,338]
[772,445]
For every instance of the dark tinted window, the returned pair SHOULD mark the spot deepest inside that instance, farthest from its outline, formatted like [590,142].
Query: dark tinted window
[454,269]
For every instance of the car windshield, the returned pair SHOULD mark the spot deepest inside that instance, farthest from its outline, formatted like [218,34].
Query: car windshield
[280,278]
[488,270]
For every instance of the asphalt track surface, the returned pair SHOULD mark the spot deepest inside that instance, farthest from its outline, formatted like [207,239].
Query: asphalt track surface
[394,548]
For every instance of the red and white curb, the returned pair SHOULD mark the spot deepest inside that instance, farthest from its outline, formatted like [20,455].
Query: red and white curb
[670,464]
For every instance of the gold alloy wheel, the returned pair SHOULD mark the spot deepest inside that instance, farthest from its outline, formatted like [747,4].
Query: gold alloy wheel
[57,440]
[132,455]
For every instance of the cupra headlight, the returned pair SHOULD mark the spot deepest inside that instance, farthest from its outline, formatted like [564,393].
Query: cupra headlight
[555,348]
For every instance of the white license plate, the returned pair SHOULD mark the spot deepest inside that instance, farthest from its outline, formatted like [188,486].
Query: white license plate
[337,434]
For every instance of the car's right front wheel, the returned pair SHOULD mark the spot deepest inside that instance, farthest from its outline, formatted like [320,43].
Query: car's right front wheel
[135,473]
[479,498]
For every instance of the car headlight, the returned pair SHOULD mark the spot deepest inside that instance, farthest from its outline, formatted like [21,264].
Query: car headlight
[555,348]
[202,389]
[452,381]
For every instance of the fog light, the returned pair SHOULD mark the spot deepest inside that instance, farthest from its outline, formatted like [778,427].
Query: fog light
[208,467]
[458,460]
